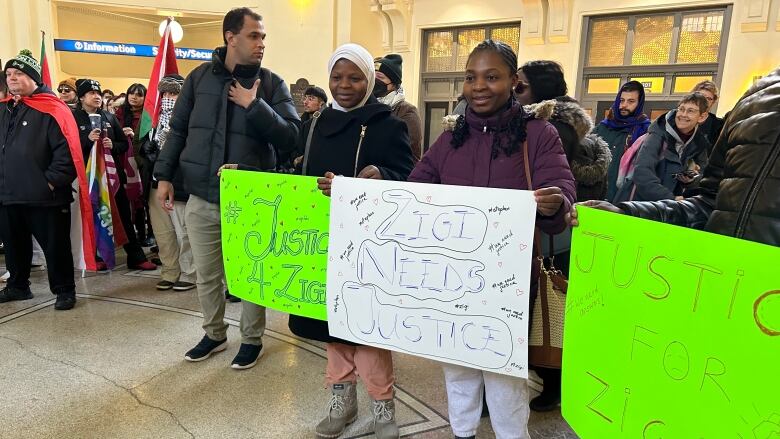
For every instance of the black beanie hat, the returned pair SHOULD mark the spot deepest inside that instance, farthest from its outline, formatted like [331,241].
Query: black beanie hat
[390,65]
[317,93]
[27,64]
[84,86]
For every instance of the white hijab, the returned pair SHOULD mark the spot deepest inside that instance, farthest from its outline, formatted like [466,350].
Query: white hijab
[365,62]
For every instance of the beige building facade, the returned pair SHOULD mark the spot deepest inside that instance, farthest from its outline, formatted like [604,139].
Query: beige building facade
[667,45]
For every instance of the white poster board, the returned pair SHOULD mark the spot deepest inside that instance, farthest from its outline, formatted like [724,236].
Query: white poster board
[432,270]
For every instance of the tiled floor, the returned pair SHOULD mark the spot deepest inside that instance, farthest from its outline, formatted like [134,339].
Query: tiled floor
[113,368]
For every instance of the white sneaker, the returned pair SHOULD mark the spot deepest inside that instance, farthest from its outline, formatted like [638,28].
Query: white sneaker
[4,278]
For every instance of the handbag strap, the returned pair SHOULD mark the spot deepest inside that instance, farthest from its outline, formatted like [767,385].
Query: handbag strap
[530,185]
[537,240]
[314,119]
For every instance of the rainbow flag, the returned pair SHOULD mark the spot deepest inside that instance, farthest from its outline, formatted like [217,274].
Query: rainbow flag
[164,64]
[103,206]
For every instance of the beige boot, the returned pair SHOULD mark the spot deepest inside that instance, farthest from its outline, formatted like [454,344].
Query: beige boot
[384,419]
[342,410]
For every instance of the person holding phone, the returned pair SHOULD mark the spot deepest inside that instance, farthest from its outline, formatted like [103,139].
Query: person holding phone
[94,125]
[672,154]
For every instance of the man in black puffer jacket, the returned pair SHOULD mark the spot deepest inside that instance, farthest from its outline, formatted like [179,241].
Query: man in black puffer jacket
[36,173]
[230,111]
[739,195]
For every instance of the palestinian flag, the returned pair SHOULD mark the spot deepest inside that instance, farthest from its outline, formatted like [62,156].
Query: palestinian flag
[45,75]
[164,64]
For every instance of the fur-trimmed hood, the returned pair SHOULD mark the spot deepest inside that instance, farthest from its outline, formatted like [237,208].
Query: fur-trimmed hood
[563,111]
[590,165]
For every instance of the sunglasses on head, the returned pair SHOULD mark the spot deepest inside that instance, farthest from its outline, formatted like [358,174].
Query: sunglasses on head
[64,89]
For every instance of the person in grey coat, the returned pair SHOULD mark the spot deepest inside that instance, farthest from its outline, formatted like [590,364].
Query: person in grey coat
[672,154]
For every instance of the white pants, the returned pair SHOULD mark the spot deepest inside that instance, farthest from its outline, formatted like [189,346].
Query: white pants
[507,399]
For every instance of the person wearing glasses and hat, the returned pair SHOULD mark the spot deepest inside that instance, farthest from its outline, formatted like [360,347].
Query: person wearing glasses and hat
[67,91]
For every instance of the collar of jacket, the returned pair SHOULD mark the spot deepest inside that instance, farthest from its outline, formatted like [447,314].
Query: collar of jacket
[496,122]
[333,121]
[665,126]
[240,71]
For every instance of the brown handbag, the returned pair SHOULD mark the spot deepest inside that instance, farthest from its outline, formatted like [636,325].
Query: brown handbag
[545,337]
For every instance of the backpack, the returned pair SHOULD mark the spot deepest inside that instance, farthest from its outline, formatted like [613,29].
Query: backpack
[628,162]
[626,188]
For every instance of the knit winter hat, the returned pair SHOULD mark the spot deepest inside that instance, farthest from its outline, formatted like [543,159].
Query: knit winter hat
[70,82]
[390,65]
[27,64]
[170,84]
[84,86]
[317,93]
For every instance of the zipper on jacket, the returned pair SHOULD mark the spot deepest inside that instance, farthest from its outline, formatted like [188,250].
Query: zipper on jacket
[360,144]
[751,198]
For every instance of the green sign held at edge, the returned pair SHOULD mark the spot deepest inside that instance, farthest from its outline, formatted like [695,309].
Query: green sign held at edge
[670,333]
[275,240]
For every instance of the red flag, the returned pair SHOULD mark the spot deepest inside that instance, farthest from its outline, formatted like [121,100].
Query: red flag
[164,64]
[45,75]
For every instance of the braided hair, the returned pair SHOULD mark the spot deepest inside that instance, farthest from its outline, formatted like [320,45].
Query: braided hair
[507,139]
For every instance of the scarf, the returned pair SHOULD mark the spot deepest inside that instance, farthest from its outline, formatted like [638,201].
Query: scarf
[82,233]
[163,124]
[365,62]
[393,98]
[636,122]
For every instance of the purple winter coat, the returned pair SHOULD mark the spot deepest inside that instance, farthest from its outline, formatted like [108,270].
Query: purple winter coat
[472,164]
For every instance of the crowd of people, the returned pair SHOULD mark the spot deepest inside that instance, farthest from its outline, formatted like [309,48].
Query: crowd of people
[515,128]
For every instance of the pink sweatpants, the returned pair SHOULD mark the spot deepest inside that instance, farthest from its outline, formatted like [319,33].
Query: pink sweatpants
[374,366]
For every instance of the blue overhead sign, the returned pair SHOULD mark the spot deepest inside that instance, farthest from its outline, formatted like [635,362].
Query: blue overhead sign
[107,48]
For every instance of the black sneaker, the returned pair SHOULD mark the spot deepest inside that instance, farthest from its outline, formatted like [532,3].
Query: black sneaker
[165,285]
[9,294]
[65,301]
[205,348]
[231,298]
[247,356]
[545,402]
[183,286]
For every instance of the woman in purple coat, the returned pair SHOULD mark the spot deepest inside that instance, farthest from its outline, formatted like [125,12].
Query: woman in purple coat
[484,148]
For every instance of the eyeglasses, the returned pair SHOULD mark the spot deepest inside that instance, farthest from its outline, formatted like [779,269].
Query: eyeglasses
[690,111]
[64,90]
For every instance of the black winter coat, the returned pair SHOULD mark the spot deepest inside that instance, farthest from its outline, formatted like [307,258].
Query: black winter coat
[711,129]
[739,195]
[208,131]
[334,145]
[34,154]
[334,148]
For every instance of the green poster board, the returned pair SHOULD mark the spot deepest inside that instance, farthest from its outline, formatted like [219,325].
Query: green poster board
[275,240]
[670,333]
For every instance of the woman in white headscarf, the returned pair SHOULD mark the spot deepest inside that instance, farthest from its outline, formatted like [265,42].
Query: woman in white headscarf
[357,137]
